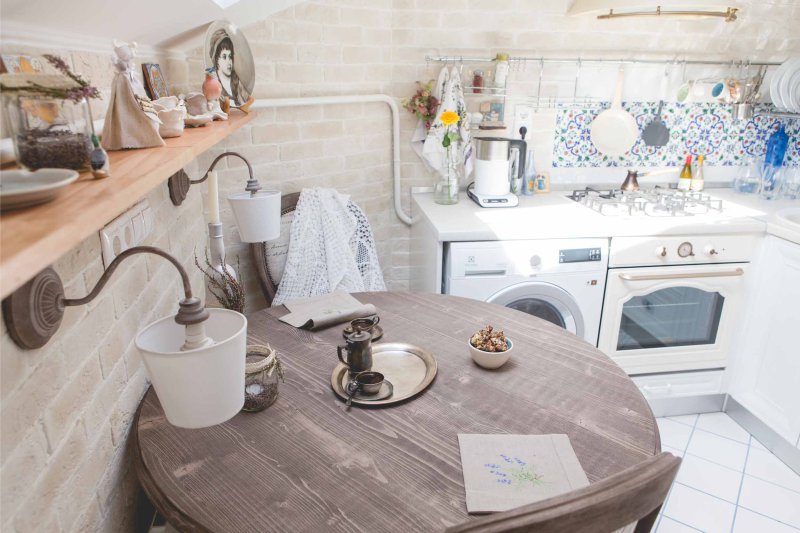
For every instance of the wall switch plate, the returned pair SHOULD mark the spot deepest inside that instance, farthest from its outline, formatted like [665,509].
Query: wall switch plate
[129,229]
[523,116]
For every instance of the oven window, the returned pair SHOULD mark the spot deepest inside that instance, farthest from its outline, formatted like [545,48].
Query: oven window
[539,308]
[677,316]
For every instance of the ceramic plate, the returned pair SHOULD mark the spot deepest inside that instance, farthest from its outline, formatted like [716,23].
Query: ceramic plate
[793,89]
[22,188]
[774,85]
[229,59]
[785,87]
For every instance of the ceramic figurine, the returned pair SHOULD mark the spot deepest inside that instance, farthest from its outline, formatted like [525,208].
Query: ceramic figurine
[197,109]
[131,120]
[99,159]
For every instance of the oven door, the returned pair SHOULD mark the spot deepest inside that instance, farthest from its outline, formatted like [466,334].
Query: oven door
[666,319]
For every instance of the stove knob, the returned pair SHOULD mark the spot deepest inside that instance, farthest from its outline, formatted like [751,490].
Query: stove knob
[661,251]
[710,250]
[535,261]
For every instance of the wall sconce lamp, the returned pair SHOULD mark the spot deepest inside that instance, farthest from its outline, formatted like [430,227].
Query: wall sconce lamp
[257,212]
[194,359]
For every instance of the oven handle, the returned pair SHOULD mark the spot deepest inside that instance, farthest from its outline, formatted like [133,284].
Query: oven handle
[683,275]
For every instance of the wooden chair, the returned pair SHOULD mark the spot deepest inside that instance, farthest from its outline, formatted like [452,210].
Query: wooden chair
[260,251]
[634,495]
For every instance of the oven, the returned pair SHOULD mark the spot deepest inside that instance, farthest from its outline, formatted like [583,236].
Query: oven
[671,303]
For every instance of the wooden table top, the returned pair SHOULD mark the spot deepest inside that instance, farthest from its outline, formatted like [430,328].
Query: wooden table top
[305,464]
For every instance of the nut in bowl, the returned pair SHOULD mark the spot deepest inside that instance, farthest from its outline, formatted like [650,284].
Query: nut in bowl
[489,348]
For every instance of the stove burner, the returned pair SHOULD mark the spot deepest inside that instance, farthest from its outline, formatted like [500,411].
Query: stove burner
[656,202]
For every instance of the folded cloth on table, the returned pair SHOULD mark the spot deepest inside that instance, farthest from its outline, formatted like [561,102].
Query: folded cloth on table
[502,472]
[322,311]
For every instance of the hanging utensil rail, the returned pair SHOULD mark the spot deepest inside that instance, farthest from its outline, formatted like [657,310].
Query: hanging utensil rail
[531,59]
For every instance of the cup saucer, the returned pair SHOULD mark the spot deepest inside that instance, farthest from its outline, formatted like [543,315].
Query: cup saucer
[386,390]
[377,332]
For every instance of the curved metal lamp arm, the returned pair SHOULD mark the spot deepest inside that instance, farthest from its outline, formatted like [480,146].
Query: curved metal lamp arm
[34,312]
[179,182]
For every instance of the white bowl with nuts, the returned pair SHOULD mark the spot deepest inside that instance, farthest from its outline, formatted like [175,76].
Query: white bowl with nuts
[489,348]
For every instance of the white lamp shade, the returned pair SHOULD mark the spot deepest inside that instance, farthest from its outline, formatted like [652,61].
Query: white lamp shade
[202,387]
[258,218]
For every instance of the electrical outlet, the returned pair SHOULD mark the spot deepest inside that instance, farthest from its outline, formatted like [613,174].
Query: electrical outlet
[523,116]
[129,229]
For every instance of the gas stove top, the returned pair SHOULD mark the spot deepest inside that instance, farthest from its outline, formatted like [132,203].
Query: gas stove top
[655,202]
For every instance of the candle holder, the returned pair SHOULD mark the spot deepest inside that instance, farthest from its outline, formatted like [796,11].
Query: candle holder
[217,248]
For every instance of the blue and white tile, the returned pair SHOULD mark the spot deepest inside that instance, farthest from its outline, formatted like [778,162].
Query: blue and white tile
[765,466]
[668,525]
[710,478]
[716,449]
[673,434]
[770,500]
[699,510]
[750,522]
[724,426]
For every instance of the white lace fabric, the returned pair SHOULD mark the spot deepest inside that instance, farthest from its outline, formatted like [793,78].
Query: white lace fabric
[331,248]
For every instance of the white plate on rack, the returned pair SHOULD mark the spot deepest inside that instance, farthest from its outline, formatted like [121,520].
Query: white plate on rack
[23,188]
[786,87]
[775,83]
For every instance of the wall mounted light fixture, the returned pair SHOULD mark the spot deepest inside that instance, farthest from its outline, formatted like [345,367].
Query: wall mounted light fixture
[257,212]
[194,359]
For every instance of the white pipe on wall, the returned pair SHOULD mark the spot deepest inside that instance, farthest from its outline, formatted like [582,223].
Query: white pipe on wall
[355,99]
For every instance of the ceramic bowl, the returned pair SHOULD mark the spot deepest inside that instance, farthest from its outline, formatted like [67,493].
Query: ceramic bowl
[490,359]
[166,102]
[171,122]
[196,104]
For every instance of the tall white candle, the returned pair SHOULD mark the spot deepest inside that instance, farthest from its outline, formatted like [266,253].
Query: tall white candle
[213,199]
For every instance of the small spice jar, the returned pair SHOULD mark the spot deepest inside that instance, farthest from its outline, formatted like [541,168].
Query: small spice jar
[477,81]
[50,132]
[261,372]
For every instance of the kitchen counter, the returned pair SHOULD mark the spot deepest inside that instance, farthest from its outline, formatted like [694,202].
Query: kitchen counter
[553,215]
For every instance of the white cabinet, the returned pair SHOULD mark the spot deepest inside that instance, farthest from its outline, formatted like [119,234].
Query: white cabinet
[766,378]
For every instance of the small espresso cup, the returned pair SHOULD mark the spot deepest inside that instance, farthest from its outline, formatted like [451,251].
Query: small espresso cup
[369,382]
[365,324]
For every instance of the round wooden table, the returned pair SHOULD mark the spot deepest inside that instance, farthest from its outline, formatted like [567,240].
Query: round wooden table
[305,464]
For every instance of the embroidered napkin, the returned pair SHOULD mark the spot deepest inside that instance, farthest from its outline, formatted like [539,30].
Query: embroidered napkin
[502,472]
[319,312]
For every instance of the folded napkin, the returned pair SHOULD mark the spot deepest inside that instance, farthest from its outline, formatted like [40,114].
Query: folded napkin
[319,312]
[502,472]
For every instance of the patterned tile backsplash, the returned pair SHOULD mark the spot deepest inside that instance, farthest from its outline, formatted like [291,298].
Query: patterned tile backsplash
[699,128]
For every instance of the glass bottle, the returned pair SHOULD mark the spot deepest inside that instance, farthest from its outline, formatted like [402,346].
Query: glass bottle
[501,69]
[445,190]
[529,181]
[698,183]
[685,181]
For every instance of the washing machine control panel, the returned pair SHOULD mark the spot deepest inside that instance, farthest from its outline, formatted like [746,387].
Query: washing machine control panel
[579,255]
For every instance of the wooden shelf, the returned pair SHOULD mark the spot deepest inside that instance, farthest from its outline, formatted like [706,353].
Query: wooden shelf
[34,238]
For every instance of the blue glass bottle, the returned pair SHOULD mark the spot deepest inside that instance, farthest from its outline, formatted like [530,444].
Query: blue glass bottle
[773,160]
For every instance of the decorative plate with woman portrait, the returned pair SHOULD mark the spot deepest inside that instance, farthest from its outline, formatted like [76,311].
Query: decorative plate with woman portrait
[228,56]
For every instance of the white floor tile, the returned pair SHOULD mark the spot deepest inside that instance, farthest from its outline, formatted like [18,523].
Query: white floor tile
[755,443]
[710,478]
[673,451]
[689,420]
[770,500]
[750,522]
[723,425]
[668,525]
[673,434]
[699,510]
[720,450]
[763,465]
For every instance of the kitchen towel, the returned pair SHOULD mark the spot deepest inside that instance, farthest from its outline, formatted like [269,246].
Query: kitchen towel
[433,151]
[502,472]
[421,131]
[319,312]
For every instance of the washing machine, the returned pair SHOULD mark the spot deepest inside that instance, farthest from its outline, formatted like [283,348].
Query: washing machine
[559,280]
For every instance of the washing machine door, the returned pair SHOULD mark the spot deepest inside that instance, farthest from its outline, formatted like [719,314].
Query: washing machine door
[543,300]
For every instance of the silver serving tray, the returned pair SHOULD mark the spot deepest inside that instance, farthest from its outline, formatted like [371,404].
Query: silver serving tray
[410,369]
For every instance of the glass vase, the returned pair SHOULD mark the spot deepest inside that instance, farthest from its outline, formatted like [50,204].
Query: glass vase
[445,190]
[49,132]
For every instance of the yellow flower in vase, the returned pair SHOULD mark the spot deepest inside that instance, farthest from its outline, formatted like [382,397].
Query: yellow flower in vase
[446,192]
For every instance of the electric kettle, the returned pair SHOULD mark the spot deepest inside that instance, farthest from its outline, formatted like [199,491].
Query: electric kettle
[496,158]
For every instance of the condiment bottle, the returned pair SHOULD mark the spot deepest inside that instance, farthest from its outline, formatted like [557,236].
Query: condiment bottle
[685,181]
[698,182]
[501,70]
[529,181]
[477,81]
